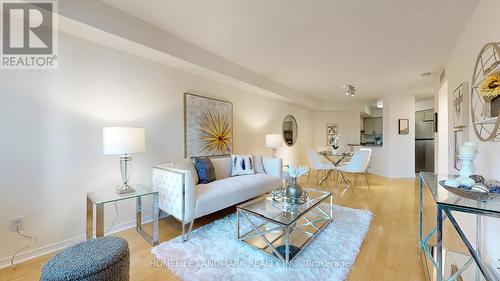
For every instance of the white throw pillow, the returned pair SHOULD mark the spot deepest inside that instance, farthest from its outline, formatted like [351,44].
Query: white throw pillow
[259,164]
[242,165]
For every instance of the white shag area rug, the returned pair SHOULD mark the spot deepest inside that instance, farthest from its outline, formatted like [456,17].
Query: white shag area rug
[214,253]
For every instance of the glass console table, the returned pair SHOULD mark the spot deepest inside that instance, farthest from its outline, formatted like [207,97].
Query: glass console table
[446,203]
[105,196]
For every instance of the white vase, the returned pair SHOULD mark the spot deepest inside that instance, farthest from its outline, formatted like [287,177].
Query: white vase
[468,168]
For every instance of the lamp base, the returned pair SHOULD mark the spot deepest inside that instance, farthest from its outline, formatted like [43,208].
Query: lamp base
[125,165]
[274,152]
[122,189]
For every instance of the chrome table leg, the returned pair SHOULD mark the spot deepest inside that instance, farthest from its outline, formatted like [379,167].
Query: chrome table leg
[420,212]
[287,245]
[138,214]
[156,217]
[325,177]
[331,206]
[153,240]
[90,219]
[479,248]
[343,177]
[238,222]
[439,255]
[99,223]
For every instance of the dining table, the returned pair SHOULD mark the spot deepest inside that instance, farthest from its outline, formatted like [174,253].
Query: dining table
[336,158]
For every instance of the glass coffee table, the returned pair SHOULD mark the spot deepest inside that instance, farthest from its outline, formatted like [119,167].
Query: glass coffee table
[283,231]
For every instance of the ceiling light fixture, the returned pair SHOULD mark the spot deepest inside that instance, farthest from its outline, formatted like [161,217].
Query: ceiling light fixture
[349,90]
[380,105]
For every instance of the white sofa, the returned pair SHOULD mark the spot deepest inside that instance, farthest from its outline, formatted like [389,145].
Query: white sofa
[182,198]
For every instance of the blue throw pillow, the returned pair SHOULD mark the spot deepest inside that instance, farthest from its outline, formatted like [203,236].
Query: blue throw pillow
[205,169]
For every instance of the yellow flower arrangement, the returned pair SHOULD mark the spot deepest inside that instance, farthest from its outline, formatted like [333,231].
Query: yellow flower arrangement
[490,87]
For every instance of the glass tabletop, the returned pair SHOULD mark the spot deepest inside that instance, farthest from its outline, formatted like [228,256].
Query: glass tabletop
[330,153]
[335,158]
[109,195]
[266,207]
[443,196]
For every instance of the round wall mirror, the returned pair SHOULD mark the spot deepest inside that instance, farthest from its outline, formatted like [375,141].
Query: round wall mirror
[290,130]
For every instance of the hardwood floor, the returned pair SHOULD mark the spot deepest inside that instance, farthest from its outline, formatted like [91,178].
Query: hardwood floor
[389,251]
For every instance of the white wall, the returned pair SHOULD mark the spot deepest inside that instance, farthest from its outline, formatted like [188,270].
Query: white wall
[377,112]
[443,148]
[399,150]
[436,134]
[349,126]
[481,29]
[51,123]
[424,104]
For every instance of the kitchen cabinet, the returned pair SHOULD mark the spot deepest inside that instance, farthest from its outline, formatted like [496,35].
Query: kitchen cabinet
[373,125]
[419,116]
[379,126]
[429,115]
[424,115]
[369,126]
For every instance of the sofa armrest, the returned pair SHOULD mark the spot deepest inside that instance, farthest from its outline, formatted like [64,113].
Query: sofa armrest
[176,191]
[273,166]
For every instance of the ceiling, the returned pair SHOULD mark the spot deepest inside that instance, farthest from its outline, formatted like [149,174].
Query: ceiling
[314,47]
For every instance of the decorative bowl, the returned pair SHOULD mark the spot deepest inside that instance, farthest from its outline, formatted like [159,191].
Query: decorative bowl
[280,195]
[469,194]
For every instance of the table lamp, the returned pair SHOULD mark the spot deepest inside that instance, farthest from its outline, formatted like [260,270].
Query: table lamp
[274,141]
[123,141]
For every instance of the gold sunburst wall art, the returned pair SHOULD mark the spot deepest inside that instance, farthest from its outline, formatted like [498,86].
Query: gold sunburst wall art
[208,126]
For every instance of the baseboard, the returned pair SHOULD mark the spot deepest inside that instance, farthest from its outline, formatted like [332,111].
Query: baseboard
[58,246]
[402,177]
[34,253]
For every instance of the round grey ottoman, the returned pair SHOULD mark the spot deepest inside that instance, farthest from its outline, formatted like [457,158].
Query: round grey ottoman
[105,258]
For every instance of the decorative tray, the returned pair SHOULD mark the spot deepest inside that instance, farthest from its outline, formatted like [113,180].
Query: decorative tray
[279,195]
[469,194]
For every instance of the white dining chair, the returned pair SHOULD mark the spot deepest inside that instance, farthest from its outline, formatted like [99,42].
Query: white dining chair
[358,165]
[316,164]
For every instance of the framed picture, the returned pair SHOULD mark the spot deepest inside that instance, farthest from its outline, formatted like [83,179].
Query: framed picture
[404,126]
[208,126]
[460,106]
[458,141]
[332,130]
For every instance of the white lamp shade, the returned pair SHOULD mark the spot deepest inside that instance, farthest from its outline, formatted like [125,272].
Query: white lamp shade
[123,140]
[274,140]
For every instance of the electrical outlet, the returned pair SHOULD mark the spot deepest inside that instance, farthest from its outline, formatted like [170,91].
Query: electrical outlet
[16,223]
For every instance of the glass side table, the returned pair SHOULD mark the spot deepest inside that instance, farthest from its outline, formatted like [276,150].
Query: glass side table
[101,197]
[446,202]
